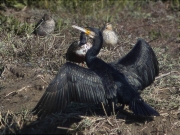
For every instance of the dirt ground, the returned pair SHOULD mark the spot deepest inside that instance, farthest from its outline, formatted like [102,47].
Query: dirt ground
[22,84]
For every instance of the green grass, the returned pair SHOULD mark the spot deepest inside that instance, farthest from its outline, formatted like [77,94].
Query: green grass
[18,46]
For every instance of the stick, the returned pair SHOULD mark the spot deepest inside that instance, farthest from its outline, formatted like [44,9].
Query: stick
[113,108]
[41,77]
[142,129]
[15,92]
[110,123]
[104,109]
[163,75]
[70,129]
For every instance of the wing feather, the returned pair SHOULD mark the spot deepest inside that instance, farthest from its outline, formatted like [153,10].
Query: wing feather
[140,65]
[72,84]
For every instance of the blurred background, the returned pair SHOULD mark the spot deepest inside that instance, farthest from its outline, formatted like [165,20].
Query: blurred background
[28,63]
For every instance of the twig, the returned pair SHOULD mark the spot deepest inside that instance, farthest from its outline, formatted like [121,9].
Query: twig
[52,42]
[99,119]
[41,77]
[104,109]
[110,123]
[143,129]
[37,26]
[65,128]
[152,40]
[163,75]
[99,124]
[106,128]
[1,123]
[106,115]
[113,108]
[15,92]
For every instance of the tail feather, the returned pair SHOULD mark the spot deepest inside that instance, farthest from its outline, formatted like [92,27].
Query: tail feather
[145,111]
[139,110]
[139,107]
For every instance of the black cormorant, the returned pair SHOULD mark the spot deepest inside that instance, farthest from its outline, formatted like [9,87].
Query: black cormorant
[116,82]
[78,49]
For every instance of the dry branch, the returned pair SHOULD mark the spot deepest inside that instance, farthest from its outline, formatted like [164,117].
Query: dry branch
[65,128]
[166,74]
[15,92]
[104,109]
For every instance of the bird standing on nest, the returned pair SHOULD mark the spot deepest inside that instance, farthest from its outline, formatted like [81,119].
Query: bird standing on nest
[78,49]
[102,82]
[110,38]
[45,26]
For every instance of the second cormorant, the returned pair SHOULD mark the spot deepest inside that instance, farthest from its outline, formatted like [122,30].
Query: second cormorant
[78,49]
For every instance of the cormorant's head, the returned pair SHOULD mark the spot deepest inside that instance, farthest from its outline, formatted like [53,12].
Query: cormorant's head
[83,38]
[95,31]
[92,32]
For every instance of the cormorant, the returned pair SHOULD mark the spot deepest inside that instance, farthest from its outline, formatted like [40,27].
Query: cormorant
[77,50]
[116,82]
[45,26]
[109,36]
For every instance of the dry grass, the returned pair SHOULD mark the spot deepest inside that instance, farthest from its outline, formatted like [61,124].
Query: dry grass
[19,48]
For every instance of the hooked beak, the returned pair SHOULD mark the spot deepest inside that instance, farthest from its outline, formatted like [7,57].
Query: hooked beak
[88,32]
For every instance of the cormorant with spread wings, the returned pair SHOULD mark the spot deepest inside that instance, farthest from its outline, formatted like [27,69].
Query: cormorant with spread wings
[116,82]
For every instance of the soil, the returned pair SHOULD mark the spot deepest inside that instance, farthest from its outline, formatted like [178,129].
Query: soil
[22,85]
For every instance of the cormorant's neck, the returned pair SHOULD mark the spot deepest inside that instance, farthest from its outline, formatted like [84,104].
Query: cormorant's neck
[83,39]
[94,50]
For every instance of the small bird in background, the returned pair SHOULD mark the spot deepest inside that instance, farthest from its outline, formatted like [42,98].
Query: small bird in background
[110,38]
[45,26]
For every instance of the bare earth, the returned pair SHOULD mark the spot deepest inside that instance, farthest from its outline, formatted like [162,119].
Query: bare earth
[22,84]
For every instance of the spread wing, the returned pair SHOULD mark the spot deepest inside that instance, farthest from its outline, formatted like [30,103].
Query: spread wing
[72,83]
[140,65]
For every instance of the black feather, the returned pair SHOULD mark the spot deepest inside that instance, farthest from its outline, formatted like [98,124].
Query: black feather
[139,107]
[102,82]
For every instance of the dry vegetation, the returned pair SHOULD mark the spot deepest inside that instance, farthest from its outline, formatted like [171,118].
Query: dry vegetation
[28,63]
